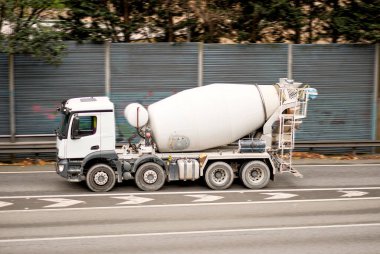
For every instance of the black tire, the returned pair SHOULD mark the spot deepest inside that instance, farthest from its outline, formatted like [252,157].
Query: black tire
[150,177]
[219,176]
[100,178]
[255,174]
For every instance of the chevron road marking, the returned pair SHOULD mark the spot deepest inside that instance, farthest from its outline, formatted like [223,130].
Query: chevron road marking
[90,194]
[3,204]
[205,198]
[279,195]
[61,202]
[196,204]
[350,194]
[133,200]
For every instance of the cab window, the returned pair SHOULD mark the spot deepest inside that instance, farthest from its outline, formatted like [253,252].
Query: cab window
[87,125]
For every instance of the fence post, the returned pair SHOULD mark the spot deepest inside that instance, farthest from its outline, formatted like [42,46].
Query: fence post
[200,63]
[376,96]
[290,61]
[11,80]
[107,67]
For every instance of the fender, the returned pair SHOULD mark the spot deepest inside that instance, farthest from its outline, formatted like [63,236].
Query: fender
[110,156]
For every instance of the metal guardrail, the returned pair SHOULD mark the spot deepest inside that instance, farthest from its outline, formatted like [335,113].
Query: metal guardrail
[28,144]
[46,144]
[338,144]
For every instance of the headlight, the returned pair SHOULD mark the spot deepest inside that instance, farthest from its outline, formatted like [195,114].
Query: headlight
[61,168]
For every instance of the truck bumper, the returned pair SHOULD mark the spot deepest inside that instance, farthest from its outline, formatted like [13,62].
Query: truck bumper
[73,173]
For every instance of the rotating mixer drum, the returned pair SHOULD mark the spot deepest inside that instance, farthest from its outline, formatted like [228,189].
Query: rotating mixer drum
[210,116]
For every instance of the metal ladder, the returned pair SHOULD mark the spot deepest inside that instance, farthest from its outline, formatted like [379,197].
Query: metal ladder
[286,141]
[287,125]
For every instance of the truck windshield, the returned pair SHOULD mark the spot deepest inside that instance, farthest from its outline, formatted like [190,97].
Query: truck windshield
[64,126]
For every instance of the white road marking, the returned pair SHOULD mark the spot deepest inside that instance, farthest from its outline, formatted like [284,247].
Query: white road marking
[350,194]
[3,204]
[193,204]
[204,198]
[279,195]
[90,194]
[205,232]
[133,200]
[61,202]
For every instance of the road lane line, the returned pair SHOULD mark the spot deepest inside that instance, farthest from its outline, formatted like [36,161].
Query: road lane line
[205,232]
[110,194]
[188,205]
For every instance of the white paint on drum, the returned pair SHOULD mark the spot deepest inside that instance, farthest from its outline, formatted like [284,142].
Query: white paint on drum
[210,116]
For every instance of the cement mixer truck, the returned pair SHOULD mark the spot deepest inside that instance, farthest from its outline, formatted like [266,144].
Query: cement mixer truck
[217,132]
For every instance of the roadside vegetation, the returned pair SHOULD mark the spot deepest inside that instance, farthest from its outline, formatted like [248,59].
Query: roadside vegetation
[39,27]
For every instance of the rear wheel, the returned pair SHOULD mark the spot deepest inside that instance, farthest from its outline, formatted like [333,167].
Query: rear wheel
[219,176]
[255,174]
[150,177]
[100,177]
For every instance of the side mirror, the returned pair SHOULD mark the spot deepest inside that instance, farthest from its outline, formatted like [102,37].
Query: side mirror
[75,128]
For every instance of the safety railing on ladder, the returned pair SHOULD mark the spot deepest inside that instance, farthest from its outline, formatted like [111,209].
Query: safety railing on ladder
[293,107]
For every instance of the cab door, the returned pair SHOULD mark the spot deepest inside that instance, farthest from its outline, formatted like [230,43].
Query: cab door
[84,135]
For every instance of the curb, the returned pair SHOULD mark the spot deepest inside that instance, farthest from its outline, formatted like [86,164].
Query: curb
[334,162]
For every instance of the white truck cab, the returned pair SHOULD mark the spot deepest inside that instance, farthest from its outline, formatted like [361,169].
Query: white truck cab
[87,130]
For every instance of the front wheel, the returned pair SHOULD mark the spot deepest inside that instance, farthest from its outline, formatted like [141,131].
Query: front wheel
[255,175]
[150,177]
[219,176]
[100,177]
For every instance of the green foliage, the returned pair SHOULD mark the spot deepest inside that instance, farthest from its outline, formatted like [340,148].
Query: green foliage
[22,31]
[359,21]
[308,21]
[99,20]
[252,21]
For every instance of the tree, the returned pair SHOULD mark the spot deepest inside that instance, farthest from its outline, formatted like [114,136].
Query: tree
[170,20]
[270,21]
[251,20]
[132,17]
[87,20]
[211,19]
[297,21]
[100,20]
[358,21]
[22,31]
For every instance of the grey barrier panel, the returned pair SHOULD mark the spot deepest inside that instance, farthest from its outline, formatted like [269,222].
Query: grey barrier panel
[4,95]
[263,64]
[146,73]
[344,77]
[40,87]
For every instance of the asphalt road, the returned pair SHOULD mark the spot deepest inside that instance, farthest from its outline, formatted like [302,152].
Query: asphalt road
[333,209]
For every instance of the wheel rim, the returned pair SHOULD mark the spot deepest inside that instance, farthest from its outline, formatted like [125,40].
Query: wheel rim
[219,175]
[255,175]
[101,178]
[150,176]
